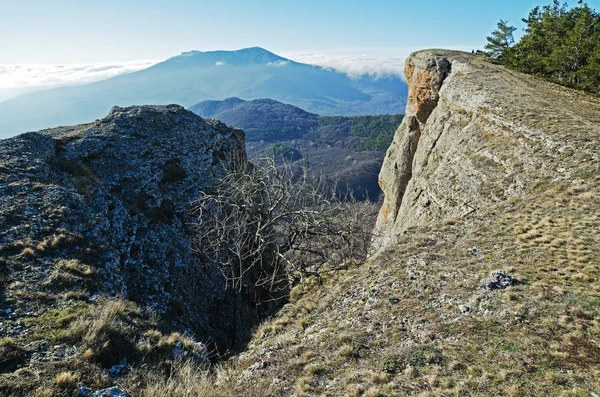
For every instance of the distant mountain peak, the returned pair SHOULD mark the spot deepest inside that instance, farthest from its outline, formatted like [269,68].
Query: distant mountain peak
[254,50]
[190,53]
[244,55]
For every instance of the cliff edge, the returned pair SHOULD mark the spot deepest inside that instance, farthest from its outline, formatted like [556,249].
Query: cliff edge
[102,210]
[476,134]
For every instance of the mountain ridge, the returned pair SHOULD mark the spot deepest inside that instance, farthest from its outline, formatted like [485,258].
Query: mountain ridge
[185,79]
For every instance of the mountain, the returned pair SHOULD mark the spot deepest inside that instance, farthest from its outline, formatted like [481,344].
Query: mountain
[346,149]
[249,73]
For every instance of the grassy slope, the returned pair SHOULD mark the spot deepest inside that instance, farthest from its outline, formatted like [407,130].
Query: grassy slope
[394,327]
[415,321]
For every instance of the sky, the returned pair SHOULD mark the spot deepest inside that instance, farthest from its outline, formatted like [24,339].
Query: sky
[91,40]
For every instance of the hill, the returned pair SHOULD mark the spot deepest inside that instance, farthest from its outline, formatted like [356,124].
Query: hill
[261,119]
[249,73]
[271,121]
[347,149]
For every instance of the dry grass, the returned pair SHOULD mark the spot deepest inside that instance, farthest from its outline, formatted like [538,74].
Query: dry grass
[104,334]
[109,332]
[69,274]
[28,252]
[44,392]
[66,379]
[393,327]
[185,379]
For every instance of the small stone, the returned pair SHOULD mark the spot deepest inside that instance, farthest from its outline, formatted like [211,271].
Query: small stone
[118,370]
[84,391]
[474,251]
[257,365]
[110,392]
[464,309]
[498,279]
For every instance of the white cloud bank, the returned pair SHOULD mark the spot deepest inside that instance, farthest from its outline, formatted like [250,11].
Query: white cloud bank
[355,65]
[17,79]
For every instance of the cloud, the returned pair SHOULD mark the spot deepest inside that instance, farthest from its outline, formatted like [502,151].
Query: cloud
[354,65]
[278,63]
[17,79]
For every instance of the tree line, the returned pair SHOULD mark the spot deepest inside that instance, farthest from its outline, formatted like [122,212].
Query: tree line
[560,43]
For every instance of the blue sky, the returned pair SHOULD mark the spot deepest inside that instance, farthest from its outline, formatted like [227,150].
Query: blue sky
[84,31]
[53,43]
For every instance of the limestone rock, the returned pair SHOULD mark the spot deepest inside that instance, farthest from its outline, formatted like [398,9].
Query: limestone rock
[499,279]
[476,134]
[113,196]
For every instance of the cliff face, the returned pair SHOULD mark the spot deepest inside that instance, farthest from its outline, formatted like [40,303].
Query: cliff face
[476,134]
[111,199]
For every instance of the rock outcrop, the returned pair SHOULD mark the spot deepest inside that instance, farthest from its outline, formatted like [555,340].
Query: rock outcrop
[111,198]
[476,134]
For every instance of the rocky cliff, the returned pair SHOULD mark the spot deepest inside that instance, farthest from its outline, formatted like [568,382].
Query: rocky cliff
[476,134]
[102,209]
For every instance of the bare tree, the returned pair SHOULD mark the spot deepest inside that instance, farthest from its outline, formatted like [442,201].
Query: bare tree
[271,226]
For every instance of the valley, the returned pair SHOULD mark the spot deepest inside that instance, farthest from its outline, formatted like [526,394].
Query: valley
[347,151]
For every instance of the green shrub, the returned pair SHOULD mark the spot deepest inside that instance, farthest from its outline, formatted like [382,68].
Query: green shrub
[424,355]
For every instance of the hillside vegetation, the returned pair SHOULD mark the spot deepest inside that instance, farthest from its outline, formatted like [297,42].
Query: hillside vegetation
[270,121]
[374,132]
[345,150]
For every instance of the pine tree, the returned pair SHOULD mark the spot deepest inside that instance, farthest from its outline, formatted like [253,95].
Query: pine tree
[500,41]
